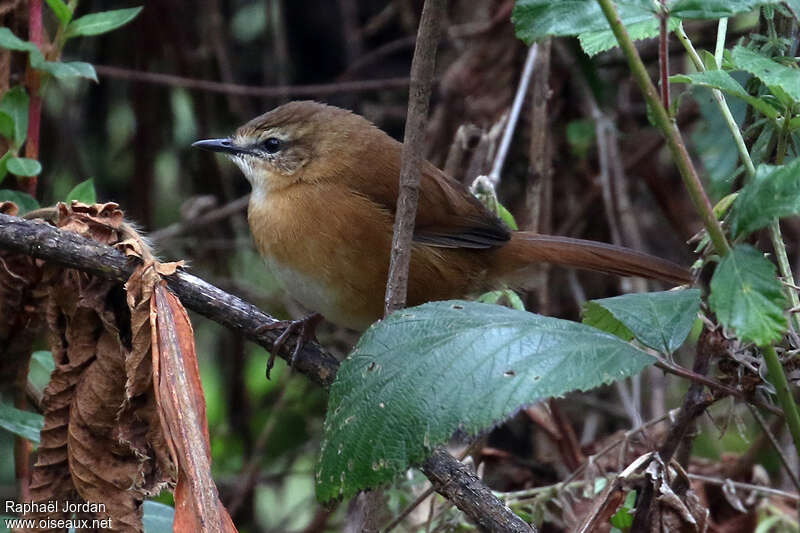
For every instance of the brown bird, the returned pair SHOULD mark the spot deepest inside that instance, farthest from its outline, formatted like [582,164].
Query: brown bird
[325,186]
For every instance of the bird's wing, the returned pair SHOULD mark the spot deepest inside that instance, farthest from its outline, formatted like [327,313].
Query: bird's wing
[449,216]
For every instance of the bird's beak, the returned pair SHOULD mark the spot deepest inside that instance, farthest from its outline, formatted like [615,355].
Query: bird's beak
[224,146]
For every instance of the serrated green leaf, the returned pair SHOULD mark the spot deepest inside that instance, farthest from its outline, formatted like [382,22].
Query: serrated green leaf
[103,22]
[23,423]
[714,9]
[62,12]
[660,320]
[747,297]
[774,194]
[24,201]
[425,372]
[595,42]
[24,166]
[535,19]
[772,73]
[719,79]
[83,192]
[15,104]
[157,517]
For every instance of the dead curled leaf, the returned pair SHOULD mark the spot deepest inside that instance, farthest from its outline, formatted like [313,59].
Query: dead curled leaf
[183,414]
[104,433]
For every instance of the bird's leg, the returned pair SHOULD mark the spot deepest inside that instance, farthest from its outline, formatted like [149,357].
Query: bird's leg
[307,326]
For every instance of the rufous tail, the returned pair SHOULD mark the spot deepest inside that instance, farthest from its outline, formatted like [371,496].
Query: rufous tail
[526,248]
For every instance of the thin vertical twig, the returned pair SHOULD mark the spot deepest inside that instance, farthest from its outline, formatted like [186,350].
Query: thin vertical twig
[33,82]
[663,53]
[513,115]
[422,71]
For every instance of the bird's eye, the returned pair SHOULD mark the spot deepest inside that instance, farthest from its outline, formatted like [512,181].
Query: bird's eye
[271,145]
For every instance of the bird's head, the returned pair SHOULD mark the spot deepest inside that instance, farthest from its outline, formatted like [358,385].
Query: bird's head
[294,142]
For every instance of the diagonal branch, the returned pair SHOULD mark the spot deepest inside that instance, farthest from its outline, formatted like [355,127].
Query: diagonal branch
[43,241]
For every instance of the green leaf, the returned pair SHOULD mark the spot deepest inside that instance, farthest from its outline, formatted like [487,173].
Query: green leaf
[24,166]
[15,105]
[42,365]
[595,42]
[6,126]
[62,11]
[623,518]
[83,192]
[747,297]
[59,69]
[426,372]
[719,79]
[535,19]
[506,216]
[64,70]
[773,74]
[660,320]
[3,164]
[775,195]
[12,42]
[105,21]
[505,297]
[714,9]
[794,5]
[599,317]
[23,423]
[157,517]
[24,201]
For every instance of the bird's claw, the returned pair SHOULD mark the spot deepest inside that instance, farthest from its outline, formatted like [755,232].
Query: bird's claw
[307,327]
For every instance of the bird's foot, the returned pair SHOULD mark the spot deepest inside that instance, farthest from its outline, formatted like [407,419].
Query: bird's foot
[307,331]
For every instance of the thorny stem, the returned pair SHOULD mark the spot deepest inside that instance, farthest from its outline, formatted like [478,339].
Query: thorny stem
[668,129]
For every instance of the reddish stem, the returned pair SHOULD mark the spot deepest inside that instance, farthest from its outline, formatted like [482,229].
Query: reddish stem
[663,54]
[33,82]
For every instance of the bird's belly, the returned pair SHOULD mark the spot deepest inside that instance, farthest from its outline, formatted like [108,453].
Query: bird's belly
[318,296]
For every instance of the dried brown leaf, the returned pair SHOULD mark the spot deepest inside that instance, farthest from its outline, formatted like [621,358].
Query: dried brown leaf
[183,412]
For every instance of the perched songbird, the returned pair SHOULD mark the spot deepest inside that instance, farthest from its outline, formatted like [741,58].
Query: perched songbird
[325,185]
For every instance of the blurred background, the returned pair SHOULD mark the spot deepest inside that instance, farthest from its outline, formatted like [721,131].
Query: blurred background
[584,162]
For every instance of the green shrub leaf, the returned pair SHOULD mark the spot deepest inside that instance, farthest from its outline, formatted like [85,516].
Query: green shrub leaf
[719,79]
[713,9]
[23,423]
[6,126]
[157,517]
[83,192]
[534,19]
[58,69]
[62,11]
[103,22]
[594,42]
[426,372]
[747,297]
[773,74]
[24,166]
[775,195]
[15,105]
[660,320]
[24,201]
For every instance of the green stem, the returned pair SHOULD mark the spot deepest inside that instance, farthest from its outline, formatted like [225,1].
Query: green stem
[669,129]
[778,379]
[774,228]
